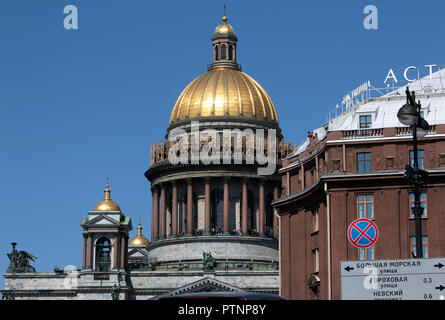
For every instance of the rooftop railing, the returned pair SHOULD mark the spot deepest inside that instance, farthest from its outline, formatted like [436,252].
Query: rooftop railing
[160,150]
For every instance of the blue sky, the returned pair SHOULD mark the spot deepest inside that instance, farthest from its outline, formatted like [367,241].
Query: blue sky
[77,106]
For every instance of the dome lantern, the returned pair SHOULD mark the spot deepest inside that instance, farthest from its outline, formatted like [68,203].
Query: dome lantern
[224,44]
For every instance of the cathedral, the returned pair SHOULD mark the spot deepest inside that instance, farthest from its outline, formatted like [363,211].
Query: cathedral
[213,227]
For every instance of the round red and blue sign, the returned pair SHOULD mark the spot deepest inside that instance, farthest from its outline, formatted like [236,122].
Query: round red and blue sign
[363,233]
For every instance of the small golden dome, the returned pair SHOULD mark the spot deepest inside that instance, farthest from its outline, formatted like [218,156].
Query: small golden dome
[139,239]
[224,28]
[224,92]
[107,204]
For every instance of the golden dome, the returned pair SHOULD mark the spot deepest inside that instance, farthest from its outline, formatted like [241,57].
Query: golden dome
[224,28]
[107,204]
[139,239]
[224,92]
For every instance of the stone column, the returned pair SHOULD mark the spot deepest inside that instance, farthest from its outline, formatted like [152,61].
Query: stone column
[84,255]
[207,205]
[189,207]
[90,252]
[163,211]
[116,250]
[226,206]
[155,214]
[244,207]
[275,219]
[123,251]
[174,231]
[261,208]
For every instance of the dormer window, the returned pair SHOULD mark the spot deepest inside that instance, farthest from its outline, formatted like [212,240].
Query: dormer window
[365,121]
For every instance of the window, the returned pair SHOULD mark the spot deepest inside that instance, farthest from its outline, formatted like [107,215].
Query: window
[365,122]
[316,261]
[103,254]
[364,162]
[422,204]
[223,52]
[420,158]
[412,246]
[217,209]
[216,53]
[230,52]
[315,221]
[366,253]
[365,206]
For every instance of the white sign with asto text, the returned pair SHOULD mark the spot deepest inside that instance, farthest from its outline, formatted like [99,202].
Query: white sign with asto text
[401,279]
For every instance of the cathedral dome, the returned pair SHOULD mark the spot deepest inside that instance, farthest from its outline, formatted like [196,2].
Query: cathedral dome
[107,204]
[224,92]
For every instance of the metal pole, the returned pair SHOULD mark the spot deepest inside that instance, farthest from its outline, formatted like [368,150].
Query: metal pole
[417,207]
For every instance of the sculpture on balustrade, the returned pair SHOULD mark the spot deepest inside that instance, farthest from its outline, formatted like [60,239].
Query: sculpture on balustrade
[19,261]
[208,261]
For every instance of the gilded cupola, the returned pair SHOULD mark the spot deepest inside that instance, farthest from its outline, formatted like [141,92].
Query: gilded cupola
[224,92]
[139,239]
[107,204]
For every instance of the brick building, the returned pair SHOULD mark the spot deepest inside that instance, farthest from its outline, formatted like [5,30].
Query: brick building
[353,167]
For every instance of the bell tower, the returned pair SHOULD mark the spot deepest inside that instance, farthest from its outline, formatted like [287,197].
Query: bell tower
[105,237]
[224,45]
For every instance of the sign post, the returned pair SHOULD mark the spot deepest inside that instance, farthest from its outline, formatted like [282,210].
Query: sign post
[409,279]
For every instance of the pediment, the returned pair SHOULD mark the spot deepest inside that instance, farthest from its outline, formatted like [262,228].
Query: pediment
[137,253]
[102,220]
[204,285]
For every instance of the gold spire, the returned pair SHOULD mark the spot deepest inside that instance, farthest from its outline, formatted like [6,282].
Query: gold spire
[224,18]
[107,191]
[139,239]
[107,204]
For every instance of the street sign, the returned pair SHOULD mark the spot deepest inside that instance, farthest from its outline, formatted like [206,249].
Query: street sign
[363,233]
[409,279]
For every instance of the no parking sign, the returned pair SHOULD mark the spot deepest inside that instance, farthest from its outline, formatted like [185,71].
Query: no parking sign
[363,233]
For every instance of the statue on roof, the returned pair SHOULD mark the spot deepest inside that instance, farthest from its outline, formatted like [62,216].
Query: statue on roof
[115,291]
[208,261]
[19,261]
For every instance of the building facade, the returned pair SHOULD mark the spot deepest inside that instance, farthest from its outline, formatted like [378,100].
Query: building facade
[213,225]
[353,167]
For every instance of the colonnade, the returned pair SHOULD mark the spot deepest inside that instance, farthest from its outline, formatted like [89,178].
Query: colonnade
[166,224]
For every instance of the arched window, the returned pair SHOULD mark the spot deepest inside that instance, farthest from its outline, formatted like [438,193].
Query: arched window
[268,230]
[223,52]
[216,53]
[103,254]
[195,211]
[251,216]
[182,212]
[217,209]
[230,52]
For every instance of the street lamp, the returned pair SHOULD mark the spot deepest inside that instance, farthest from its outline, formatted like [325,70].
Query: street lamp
[409,114]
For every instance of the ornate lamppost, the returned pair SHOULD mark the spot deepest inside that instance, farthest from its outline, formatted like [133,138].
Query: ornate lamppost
[409,114]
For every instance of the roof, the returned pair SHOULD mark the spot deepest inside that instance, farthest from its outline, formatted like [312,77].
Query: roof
[430,90]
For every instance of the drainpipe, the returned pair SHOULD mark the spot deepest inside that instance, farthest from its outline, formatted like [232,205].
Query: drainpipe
[328,217]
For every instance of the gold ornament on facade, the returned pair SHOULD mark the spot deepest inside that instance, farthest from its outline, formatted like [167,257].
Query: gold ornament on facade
[107,204]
